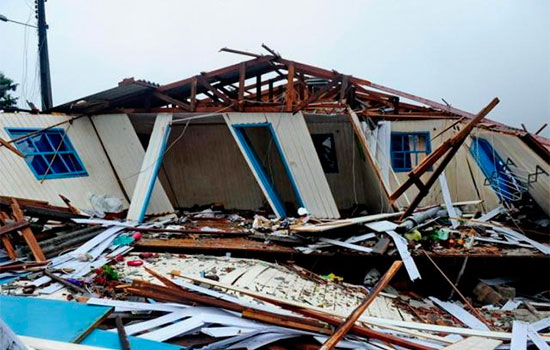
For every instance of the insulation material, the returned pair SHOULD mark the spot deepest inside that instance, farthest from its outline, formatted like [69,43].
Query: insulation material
[525,162]
[126,153]
[298,151]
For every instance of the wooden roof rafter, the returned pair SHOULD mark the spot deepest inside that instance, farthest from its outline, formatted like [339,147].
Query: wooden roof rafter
[280,84]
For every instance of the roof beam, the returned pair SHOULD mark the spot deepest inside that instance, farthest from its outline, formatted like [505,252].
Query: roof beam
[289,96]
[224,98]
[172,100]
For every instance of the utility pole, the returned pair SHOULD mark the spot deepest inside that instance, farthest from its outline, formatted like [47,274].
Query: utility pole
[45,80]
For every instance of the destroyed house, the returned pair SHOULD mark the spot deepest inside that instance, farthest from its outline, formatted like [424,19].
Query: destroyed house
[267,134]
[256,207]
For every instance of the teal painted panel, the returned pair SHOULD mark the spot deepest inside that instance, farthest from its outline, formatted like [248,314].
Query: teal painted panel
[110,340]
[66,321]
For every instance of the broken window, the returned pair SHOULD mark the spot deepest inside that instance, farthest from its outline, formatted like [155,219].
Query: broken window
[324,145]
[50,154]
[408,149]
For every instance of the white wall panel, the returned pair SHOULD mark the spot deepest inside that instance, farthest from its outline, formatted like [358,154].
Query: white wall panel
[126,153]
[18,180]
[299,152]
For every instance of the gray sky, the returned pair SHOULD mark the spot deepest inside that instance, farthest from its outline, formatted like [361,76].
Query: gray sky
[465,51]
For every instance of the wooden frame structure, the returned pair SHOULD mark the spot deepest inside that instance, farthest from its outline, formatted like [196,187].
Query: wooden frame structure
[266,84]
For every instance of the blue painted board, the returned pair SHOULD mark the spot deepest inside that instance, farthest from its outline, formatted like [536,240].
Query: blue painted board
[66,321]
[110,340]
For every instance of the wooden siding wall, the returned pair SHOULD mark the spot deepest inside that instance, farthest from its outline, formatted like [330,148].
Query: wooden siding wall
[356,181]
[206,166]
[126,154]
[297,148]
[18,180]
[526,162]
[460,182]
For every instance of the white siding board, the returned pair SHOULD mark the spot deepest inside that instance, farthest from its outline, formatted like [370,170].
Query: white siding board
[232,119]
[18,179]
[291,137]
[148,172]
[526,161]
[127,153]
[290,146]
[299,152]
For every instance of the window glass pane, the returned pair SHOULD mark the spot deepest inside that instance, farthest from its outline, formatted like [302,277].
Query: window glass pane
[42,144]
[57,166]
[408,163]
[398,160]
[25,146]
[49,153]
[409,149]
[38,164]
[71,162]
[421,143]
[55,139]
[397,143]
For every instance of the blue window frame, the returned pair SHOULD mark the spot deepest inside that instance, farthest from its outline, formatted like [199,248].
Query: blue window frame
[408,149]
[50,154]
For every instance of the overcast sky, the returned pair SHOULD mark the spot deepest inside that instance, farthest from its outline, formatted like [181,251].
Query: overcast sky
[466,51]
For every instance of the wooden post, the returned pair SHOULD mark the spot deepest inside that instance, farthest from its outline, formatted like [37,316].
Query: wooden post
[27,232]
[8,246]
[242,78]
[345,327]
[258,87]
[194,95]
[289,96]
[270,91]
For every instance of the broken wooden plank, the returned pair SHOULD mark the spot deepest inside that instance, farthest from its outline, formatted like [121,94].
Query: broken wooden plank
[461,314]
[335,224]
[447,150]
[354,316]
[27,233]
[11,147]
[346,245]
[448,201]
[474,343]
[400,243]
[48,344]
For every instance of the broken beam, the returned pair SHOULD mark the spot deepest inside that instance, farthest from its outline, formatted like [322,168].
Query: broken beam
[346,326]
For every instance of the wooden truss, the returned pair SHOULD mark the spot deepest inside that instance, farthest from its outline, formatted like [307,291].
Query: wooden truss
[267,83]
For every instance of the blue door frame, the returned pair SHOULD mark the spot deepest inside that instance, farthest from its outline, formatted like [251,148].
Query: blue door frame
[260,170]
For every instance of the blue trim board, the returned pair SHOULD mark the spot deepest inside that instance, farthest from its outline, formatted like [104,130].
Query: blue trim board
[69,150]
[51,319]
[158,163]
[253,157]
[110,340]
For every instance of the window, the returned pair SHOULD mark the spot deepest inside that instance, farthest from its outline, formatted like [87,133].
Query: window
[324,145]
[49,154]
[408,149]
